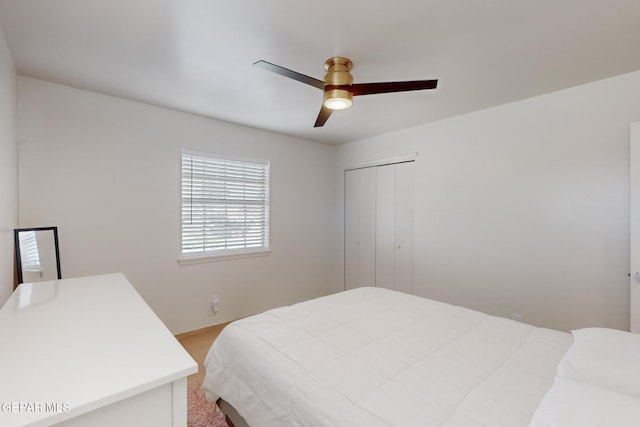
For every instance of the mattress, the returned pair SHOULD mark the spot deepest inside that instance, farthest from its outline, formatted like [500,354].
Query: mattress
[376,357]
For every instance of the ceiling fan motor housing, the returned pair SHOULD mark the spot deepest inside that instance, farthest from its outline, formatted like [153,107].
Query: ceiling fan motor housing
[337,81]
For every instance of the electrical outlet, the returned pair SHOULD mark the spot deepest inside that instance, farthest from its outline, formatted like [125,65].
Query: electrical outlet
[517,317]
[215,303]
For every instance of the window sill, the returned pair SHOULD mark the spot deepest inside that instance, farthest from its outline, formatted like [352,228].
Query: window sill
[32,274]
[227,255]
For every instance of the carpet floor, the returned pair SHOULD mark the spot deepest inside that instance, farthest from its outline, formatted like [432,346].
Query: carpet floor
[201,413]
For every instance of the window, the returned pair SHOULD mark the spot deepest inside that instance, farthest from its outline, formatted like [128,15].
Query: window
[225,206]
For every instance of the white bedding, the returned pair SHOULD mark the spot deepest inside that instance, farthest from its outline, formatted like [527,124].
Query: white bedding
[597,382]
[374,357]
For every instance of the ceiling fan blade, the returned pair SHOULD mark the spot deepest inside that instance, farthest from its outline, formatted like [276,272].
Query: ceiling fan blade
[289,73]
[322,117]
[386,87]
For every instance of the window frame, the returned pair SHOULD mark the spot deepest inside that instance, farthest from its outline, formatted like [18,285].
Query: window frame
[224,254]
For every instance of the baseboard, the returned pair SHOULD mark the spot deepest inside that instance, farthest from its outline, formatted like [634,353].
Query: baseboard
[205,330]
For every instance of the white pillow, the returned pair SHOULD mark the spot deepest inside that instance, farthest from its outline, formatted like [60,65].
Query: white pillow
[574,404]
[605,358]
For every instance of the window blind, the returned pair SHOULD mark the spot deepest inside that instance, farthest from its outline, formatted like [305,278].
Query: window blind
[225,204]
[29,254]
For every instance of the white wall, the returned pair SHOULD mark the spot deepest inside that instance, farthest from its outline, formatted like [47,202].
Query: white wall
[106,172]
[524,208]
[8,169]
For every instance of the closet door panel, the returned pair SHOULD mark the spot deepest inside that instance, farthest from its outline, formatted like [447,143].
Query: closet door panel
[367,234]
[351,230]
[359,228]
[385,225]
[404,227]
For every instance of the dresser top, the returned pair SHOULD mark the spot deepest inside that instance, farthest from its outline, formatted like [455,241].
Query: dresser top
[74,345]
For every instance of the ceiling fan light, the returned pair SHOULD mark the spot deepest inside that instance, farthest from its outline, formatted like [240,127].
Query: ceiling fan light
[337,99]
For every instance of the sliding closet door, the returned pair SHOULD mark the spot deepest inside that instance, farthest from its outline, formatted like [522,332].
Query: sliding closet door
[360,228]
[379,227]
[394,227]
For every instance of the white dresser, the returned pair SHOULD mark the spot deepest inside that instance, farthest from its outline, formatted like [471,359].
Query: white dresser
[89,352]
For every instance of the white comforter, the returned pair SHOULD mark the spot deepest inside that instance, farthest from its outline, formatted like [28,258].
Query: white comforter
[374,357]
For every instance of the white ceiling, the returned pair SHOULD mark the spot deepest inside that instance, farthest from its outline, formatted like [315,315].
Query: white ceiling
[196,55]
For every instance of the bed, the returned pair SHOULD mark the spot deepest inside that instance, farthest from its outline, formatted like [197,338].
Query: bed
[376,357]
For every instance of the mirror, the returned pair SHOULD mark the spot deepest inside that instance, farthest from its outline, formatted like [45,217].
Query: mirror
[37,255]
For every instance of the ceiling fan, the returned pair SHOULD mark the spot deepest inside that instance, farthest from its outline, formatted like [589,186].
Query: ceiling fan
[338,86]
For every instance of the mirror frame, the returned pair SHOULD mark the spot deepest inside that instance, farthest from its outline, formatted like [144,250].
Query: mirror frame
[16,236]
